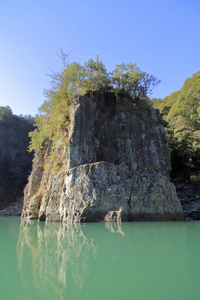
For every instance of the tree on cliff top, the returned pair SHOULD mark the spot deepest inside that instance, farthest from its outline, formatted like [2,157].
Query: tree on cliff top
[97,77]
[73,80]
[131,79]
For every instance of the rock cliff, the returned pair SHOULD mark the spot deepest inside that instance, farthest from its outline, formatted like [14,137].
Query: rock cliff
[115,167]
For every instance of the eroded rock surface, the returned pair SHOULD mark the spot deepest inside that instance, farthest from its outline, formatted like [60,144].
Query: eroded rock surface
[116,167]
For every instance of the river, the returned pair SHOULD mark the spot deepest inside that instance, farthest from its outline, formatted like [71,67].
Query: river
[152,260]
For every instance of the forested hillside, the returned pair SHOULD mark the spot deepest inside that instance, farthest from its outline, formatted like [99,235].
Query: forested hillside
[181,111]
[15,161]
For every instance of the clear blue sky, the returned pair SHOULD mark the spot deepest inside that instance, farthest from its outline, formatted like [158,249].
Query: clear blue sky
[161,36]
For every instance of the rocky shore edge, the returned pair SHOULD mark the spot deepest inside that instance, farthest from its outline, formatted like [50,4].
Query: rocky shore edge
[188,194]
[14,209]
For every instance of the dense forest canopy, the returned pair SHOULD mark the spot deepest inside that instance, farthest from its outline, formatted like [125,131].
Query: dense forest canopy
[76,79]
[15,161]
[181,111]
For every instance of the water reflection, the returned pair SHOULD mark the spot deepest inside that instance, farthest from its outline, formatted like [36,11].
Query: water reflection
[114,227]
[59,258]
[59,261]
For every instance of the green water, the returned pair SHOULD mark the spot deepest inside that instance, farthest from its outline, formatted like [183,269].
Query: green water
[97,261]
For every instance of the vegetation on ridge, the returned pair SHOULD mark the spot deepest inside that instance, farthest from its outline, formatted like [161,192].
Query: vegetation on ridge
[73,80]
[15,161]
[181,111]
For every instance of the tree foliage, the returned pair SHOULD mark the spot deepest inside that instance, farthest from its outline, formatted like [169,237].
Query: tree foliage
[97,77]
[73,80]
[131,79]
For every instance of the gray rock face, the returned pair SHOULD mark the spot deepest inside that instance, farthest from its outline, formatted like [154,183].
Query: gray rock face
[116,168]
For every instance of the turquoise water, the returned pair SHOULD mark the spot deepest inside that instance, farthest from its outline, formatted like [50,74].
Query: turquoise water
[99,261]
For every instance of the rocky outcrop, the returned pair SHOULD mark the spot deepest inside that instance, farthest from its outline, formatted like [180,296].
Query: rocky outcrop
[116,167]
[14,209]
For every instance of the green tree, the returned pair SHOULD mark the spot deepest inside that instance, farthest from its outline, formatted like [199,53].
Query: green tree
[131,79]
[97,77]
[53,118]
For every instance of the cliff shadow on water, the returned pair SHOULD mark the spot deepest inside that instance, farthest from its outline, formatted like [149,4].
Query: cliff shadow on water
[115,165]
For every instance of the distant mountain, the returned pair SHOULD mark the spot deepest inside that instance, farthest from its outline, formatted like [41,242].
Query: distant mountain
[181,111]
[15,161]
